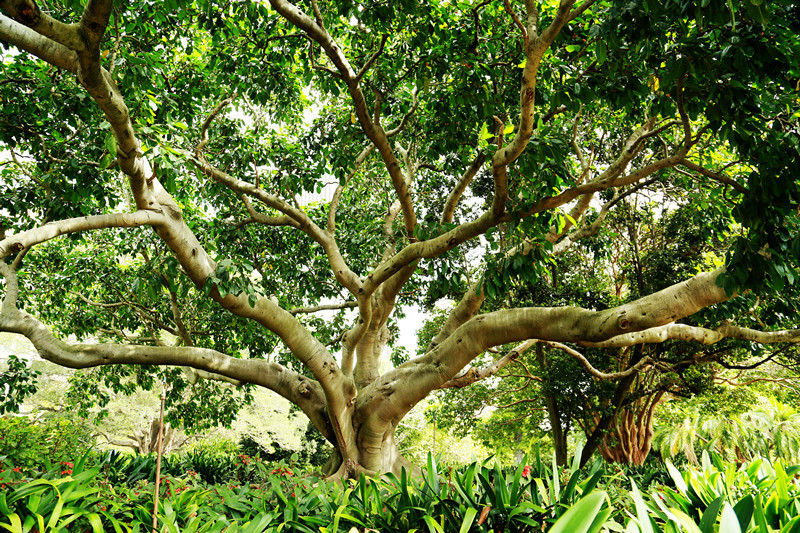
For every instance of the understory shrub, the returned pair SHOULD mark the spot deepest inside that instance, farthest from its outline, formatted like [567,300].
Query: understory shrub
[33,446]
[756,497]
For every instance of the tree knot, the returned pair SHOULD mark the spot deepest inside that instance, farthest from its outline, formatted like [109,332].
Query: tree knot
[28,13]
[529,94]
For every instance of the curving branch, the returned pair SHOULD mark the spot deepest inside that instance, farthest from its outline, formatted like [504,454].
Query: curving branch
[578,11]
[33,42]
[323,307]
[28,13]
[164,214]
[719,178]
[294,387]
[404,121]
[685,332]
[535,48]
[261,218]
[455,195]
[587,230]
[372,59]
[373,130]
[333,207]
[212,115]
[522,30]
[567,324]
[473,375]
[640,365]
[51,230]
[294,216]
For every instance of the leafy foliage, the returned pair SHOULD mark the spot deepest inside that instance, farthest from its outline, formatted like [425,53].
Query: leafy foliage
[37,446]
[17,382]
[621,151]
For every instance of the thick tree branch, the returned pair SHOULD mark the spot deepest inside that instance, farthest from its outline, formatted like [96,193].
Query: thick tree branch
[45,49]
[466,308]
[323,307]
[28,13]
[301,391]
[151,196]
[567,324]
[51,230]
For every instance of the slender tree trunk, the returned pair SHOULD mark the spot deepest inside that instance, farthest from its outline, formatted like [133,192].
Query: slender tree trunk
[519,454]
[557,430]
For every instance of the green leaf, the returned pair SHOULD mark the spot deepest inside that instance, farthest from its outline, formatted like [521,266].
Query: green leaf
[111,146]
[15,526]
[729,523]
[580,517]
[709,518]
[642,514]
[677,478]
[433,525]
[601,51]
[686,522]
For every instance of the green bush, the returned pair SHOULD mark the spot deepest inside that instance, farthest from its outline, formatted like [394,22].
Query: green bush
[757,497]
[32,447]
[215,461]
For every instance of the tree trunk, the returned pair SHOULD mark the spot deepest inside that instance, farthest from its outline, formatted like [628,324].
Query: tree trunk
[519,453]
[371,457]
[595,439]
[631,438]
[557,430]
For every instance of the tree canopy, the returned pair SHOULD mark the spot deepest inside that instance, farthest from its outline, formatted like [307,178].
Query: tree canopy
[164,195]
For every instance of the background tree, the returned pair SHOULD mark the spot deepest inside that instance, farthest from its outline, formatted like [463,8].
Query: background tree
[549,388]
[189,131]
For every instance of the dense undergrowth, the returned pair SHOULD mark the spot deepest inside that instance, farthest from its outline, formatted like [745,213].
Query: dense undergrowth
[115,492]
[50,483]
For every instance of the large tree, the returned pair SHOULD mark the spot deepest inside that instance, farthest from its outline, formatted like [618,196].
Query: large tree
[450,130]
